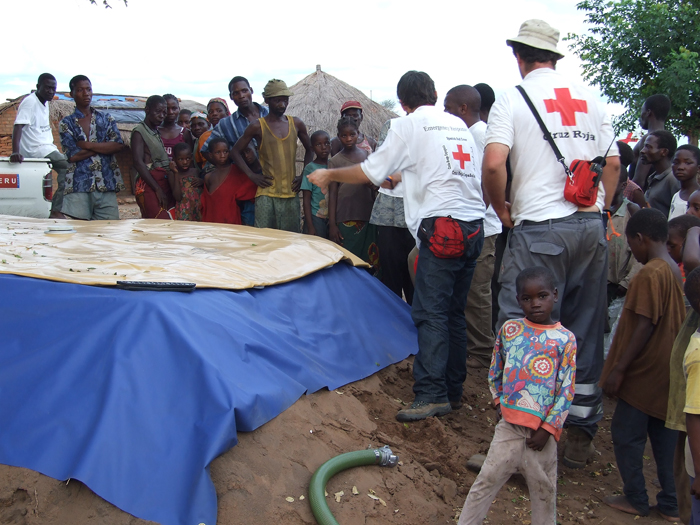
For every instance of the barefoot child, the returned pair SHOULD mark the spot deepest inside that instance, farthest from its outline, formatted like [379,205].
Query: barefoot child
[685,168]
[315,204]
[185,184]
[350,205]
[637,369]
[532,383]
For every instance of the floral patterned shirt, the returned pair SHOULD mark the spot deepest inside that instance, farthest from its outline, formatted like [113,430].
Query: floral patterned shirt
[532,374]
[96,173]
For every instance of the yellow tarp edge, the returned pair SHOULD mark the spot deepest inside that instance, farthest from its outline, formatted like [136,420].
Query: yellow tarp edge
[210,255]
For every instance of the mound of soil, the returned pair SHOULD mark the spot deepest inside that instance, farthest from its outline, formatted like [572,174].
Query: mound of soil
[264,479]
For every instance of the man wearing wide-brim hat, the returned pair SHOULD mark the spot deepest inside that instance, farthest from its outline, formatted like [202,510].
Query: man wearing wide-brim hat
[276,203]
[548,230]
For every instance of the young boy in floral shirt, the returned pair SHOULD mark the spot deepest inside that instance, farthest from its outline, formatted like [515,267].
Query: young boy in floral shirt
[532,382]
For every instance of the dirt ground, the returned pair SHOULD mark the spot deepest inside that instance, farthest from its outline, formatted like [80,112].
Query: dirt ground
[128,209]
[254,479]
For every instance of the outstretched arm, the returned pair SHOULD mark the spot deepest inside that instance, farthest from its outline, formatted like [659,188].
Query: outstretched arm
[351,175]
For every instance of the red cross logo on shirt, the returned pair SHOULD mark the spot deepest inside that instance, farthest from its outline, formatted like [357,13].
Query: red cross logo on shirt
[460,156]
[566,106]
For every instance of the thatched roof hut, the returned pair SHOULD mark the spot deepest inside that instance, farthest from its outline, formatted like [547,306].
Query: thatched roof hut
[317,100]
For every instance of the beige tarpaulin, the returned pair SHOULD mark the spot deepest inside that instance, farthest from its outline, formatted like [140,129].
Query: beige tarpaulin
[210,255]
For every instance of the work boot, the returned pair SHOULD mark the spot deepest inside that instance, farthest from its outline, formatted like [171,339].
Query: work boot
[422,410]
[578,449]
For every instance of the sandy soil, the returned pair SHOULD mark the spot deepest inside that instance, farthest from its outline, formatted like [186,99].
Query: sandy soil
[128,209]
[276,462]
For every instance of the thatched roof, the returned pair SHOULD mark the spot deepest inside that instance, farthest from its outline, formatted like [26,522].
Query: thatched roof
[125,129]
[317,100]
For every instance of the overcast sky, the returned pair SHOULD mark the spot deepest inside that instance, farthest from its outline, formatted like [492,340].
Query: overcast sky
[193,48]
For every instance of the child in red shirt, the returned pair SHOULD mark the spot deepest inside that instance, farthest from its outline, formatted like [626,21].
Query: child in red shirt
[227,187]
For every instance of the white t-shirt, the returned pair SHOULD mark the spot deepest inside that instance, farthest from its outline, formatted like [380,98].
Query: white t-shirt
[439,163]
[678,206]
[37,139]
[581,130]
[492,224]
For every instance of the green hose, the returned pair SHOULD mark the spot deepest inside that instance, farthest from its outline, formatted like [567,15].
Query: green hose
[317,487]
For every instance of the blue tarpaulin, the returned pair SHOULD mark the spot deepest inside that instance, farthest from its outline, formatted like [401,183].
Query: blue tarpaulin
[135,393]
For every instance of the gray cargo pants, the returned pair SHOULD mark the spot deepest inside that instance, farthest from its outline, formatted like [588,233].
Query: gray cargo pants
[575,249]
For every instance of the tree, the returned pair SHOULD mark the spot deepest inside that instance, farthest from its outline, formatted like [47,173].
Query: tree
[637,48]
[389,104]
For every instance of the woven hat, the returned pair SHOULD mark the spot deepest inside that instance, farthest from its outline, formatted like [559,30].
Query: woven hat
[538,34]
[276,88]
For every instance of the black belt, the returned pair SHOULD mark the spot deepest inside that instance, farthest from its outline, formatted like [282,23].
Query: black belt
[577,215]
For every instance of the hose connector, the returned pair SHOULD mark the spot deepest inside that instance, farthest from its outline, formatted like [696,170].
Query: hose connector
[385,457]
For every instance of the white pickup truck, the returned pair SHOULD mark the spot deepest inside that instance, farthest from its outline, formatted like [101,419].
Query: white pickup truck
[25,188]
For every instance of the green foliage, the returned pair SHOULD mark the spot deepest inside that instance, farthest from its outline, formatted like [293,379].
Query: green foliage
[389,104]
[637,48]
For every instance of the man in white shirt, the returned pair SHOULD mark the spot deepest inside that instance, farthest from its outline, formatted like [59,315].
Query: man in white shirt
[547,230]
[464,102]
[439,164]
[32,137]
